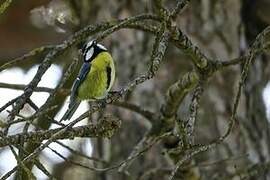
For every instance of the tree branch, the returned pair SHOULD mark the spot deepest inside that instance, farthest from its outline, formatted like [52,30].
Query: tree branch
[22,87]
[4,6]
[31,54]
[177,92]
[109,27]
[105,128]
[180,5]
[132,107]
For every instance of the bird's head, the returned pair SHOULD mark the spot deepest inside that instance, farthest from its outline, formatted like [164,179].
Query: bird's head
[91,49]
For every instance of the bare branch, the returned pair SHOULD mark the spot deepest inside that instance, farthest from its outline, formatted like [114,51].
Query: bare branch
[31,54]
[144,145]
[22,87]
[180,5]
[8,104]
[41,167]
[242,59]
[135,108]
[252,171]
[177,92]
[73,162]
[258,43]
[190,154]
[185,44]
[80,154]
[105,128]
[30,175]
[194,106]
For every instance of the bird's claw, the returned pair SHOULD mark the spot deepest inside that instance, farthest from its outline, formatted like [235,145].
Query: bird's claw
[102,103]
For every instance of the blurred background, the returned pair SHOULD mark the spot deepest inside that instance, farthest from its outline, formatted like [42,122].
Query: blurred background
[222,29]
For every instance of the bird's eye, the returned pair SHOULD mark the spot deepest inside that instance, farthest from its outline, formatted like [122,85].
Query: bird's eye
[89,54]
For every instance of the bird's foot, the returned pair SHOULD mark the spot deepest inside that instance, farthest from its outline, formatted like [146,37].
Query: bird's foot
[116,93]
[113,95]
[102,103]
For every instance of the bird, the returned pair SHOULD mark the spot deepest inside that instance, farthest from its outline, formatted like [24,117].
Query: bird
[95,79]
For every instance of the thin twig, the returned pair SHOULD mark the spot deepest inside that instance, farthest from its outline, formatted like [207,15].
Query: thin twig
[144,145]
[29,55]
[188,155]
[194,106]
[241,59]
[135,108]
[37,163]
[258,43]
[11,102]
[80,154]
[179,7]
[22,87]
[30,175]
[118,165]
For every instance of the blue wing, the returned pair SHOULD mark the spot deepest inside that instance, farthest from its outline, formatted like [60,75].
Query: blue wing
[74,103]
[85,69]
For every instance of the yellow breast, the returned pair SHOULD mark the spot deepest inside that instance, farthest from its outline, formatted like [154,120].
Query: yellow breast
[99,80]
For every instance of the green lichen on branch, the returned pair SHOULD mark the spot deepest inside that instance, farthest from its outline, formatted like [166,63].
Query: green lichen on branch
[179,7]
[4,6]
[105,129]
[185,44]
[177,92]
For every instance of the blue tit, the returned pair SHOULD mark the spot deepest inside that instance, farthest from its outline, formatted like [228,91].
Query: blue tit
[95,78]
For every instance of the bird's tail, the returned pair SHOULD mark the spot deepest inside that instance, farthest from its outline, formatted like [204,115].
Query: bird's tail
[71,110]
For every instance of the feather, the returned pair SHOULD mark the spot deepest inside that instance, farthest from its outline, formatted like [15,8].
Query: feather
[71,110]
[109,74]
[74,102]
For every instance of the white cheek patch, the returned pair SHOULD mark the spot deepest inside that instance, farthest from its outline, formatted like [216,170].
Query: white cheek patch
[101,47]
[89,44]
[89,54]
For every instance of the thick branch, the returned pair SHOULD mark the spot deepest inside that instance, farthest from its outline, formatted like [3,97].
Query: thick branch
[22,87]
[105,128]
[185,44]
[177,92]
